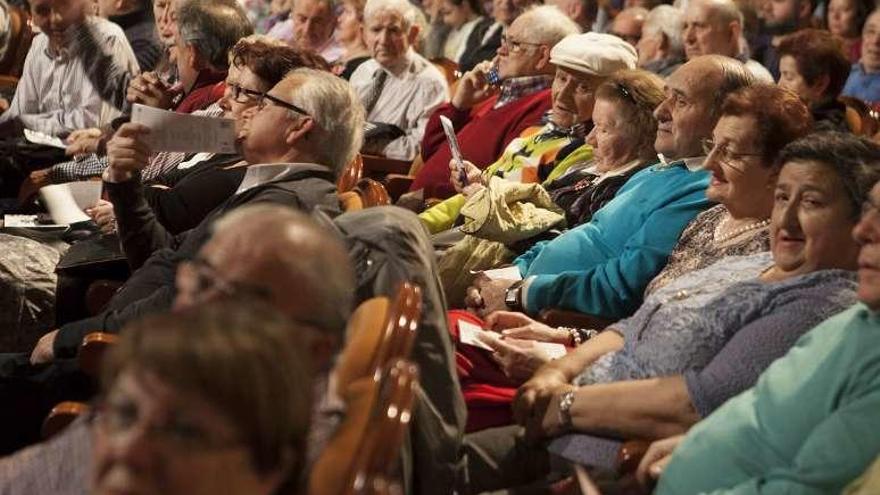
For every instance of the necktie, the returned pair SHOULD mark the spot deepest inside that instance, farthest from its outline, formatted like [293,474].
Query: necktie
[379,78]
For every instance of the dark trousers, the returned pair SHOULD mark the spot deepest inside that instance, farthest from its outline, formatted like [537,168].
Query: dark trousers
[28,393]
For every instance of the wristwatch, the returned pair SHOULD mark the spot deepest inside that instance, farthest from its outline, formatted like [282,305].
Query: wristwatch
[513,296]
[566,400]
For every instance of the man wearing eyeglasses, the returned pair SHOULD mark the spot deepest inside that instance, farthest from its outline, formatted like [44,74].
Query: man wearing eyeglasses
[294,147]
[496,101]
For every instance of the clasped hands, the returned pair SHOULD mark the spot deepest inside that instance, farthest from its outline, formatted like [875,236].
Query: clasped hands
[148,89]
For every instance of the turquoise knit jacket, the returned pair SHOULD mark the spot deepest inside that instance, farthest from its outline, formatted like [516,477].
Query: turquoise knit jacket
[602,267]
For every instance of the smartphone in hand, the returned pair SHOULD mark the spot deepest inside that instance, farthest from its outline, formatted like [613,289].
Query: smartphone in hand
[449,130]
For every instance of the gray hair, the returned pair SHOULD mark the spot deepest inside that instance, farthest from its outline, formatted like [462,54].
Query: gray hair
[855,159]
[304,253]
[547,24]
[408,12]
[213,28]
[338,114]
[668,21]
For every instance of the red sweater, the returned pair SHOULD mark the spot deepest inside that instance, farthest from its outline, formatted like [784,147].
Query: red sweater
[483,133]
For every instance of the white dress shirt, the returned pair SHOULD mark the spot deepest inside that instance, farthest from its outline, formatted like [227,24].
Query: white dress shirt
[407,100]
[79,87]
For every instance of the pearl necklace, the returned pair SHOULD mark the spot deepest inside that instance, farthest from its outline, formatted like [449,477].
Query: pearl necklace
[721,239]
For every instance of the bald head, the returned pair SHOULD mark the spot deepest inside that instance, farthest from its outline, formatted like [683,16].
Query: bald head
[694,95]
[628,24]
[301,268]
[712,27]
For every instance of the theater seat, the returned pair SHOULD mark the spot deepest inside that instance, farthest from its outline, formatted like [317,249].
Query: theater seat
[362,456]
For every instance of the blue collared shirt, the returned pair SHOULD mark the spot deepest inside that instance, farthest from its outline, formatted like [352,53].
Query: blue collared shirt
[862,85]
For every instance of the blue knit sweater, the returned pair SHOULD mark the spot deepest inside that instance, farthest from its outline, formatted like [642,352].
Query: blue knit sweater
[602,267]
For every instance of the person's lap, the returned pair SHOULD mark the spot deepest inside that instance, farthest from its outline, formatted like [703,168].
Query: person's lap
[29,392]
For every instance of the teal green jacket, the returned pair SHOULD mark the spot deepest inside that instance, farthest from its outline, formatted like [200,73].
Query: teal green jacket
[602,267]
[809,426]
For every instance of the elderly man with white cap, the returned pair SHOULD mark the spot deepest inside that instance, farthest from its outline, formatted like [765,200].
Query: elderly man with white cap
[582,62]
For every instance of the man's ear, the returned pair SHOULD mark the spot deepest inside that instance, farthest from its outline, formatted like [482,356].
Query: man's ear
[736,30]
[543,64]
[413,36]
[574,10]
[298,129]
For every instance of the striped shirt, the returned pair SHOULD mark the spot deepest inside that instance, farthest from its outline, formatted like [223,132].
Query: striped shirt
[79,87]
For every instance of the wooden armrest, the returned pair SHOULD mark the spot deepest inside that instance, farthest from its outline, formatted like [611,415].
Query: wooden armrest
[377,167]
[398,184]
[92,350]
[60,416]
[564,318]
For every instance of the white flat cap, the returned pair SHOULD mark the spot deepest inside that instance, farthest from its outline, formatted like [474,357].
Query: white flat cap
[594,53]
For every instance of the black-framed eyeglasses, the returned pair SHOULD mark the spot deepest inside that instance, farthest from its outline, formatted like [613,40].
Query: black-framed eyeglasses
[261,103]
[515,45]
[237,91]
[724,155]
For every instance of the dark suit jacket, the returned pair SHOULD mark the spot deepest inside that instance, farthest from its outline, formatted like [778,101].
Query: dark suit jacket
[151,288]
[475,50]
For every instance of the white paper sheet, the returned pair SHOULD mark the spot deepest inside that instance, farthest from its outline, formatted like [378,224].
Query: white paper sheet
[66,202]
[506,273]
[471,334]
[172,131]
[38,137]
[29,222]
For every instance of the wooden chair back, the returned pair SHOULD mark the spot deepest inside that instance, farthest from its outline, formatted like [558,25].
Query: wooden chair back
[861,119]
[372,193]
[379,331]
[361,457]
[92,351]
[449,69]
[60,416]
[350,176]
[367,193]
[377,167]
[351,201]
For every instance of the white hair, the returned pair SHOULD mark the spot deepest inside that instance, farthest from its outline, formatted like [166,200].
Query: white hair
[408,12]
[547,24]
[337,112]
[668,21]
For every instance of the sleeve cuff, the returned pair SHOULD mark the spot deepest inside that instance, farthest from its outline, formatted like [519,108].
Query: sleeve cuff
[531,293]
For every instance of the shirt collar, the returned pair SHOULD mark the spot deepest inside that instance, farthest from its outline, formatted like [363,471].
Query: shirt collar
[406,67]
[692,163]
[517,87]
[264,173]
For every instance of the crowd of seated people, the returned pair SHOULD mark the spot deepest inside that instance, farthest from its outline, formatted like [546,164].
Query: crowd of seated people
[457,246]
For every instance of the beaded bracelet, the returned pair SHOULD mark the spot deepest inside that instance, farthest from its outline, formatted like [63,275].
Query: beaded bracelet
[579,335]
